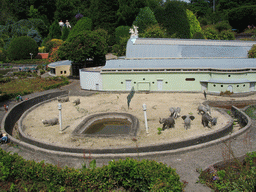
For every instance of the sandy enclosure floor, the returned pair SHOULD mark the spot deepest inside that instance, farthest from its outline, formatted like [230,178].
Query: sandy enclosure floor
[158,105]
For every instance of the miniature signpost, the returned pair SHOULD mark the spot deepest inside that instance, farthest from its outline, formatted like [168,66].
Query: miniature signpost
[130,96]
[144,106]
[60,117]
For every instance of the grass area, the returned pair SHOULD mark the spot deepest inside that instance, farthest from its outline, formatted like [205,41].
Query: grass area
[30,61]
[26,83]
[232,175]
[251,112]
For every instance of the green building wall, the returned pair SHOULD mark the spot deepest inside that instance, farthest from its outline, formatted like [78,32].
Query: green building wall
[176,81]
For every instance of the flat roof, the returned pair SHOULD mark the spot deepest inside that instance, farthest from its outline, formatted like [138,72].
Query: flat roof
[60,63]
[222,63]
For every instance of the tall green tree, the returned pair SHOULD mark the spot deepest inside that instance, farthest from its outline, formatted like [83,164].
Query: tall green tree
[103,14]
[128,10]
[173,17]
[84,24]
[65,10]
[145,19]
[55,30]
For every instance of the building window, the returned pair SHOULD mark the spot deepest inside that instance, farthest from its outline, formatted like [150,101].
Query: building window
[190,79]
[221,85]
[229,75]
[121,82]
[143,78]
[65,72]
[166,82]
[134,82]
[243,85]
[237,86]
[214,85]
[153,82]
[61,72]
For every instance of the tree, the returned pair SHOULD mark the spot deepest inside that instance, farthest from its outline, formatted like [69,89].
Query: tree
[65,10]
[121,31]
[103,15]
[84,24]
[55,30]
[83,46]
[173,17]
[199,7]
[193,23]
[21,47]
[128,10]
[145,19]
[64,33]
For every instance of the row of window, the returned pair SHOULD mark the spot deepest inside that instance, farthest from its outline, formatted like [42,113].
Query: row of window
[222,85]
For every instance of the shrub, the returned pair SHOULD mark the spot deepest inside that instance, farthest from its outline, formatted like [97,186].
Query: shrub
[53,43]
[154,31]
[227,35]
[223,25]
[35,35]
[210,32]
[198,35]
[83,24]
[53,54]
[42,49]
[2,55]
[21,47]
[252,52]
[120,48]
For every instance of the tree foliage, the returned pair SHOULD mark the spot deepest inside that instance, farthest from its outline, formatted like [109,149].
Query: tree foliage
[193,23]
[21,47]
[240,18]
[173,17]
[252,52]
[154,31]
[55,30]
[145,19]
[82,46]
[65,10]
[121,31]
[84,24]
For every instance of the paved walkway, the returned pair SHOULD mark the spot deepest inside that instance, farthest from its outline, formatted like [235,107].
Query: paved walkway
[186,163]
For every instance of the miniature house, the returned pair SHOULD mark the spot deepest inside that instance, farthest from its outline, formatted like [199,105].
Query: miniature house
[61,68]
[173,65]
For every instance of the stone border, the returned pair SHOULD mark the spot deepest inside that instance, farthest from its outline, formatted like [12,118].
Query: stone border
[87,121]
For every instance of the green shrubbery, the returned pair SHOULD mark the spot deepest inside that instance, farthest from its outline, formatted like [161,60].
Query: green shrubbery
[21,47]
[219,31]
[83,24]
[129,174]
[252,52]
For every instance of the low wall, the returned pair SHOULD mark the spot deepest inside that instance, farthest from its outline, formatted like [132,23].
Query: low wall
[13,115]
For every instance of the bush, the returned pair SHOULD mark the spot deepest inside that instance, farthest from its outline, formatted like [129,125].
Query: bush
[83,24]
[252,52]
[64,33]
[154,31]
[35,35]
[2,55]
[120,48]
[130,174]
[222,26]
[210,32]
[227,35]
[21,47]
[198,35]
[52,43]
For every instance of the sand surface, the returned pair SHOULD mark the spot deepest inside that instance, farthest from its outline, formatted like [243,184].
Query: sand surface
[158,105]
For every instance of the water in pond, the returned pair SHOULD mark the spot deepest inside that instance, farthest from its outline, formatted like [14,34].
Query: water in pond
[109,126]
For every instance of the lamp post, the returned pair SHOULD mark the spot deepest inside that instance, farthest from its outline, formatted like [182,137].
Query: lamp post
[31,54]
[144,106]
[60,116]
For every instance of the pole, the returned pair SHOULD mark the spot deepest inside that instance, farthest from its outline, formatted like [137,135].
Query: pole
[60,117]
[145,115]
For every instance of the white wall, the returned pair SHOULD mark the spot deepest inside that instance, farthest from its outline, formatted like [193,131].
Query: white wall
[90,80]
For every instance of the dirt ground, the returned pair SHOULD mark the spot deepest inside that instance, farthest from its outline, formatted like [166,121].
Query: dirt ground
[158,105]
